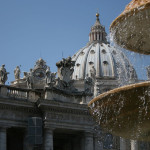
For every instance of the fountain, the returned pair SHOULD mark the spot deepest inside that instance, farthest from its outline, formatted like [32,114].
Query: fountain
[125,111]
[131,30]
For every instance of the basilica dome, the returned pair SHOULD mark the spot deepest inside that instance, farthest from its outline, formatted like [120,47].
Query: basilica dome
[108,61]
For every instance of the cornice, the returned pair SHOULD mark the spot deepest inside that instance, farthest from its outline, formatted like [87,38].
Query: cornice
[62,107]
[17,104]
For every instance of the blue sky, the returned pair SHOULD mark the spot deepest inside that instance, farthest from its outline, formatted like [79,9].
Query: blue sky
[30,29]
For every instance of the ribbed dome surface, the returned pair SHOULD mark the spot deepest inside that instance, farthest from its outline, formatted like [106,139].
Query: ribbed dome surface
[107,60]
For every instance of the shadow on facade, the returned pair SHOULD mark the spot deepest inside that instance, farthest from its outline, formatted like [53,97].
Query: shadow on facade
[67,140]
[15,138]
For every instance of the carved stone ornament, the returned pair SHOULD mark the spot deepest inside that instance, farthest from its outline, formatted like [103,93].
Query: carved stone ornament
[39,70]
[65,70]
[3,75]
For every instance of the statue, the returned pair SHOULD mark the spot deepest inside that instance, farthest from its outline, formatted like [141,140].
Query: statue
[29,79]
[50,78]
[93,73]
[148,72]
[17,73]
[3,75]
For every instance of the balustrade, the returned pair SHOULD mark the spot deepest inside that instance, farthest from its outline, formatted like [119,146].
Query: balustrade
[18,93]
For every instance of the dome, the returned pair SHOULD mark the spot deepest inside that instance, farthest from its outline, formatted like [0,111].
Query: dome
[108,61]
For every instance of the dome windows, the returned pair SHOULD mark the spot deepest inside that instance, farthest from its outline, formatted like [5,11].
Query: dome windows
[105,62]
[103,51]
[78,64]
[114,52]
[92,52]
[91,63]
[82,53]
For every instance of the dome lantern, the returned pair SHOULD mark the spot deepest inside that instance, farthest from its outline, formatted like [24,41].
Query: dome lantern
[97,31]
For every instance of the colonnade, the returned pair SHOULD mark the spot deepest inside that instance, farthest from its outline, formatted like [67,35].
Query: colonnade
[88,141]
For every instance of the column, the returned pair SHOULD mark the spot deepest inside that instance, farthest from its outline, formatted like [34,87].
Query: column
[134,145]
[94,36]
[98,36]
[89,141]
[48,139]
[3,136]
[123,144]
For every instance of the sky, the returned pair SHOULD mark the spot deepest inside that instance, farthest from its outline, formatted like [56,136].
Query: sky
[52,30]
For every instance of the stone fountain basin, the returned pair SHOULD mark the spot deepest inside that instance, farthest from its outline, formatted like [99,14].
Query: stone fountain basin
[124,111]
[131,30]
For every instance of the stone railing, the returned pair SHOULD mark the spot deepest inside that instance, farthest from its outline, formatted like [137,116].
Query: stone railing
[18,93]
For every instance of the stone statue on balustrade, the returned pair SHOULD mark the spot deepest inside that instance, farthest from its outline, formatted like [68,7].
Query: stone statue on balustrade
[3,75]
[148,72]
[29,79]
[50,78]
[17,73]
[65,71]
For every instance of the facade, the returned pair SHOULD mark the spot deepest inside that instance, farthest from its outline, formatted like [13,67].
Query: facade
[48,111]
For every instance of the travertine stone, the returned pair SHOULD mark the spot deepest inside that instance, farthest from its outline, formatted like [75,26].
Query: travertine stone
[3,91]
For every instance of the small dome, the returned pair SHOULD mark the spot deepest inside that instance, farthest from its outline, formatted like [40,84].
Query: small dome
[109,62]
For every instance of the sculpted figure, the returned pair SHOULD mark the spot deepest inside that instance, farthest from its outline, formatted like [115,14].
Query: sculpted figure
[3,75]
[29,78]
[50,77]
[93,72]
[17,73]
